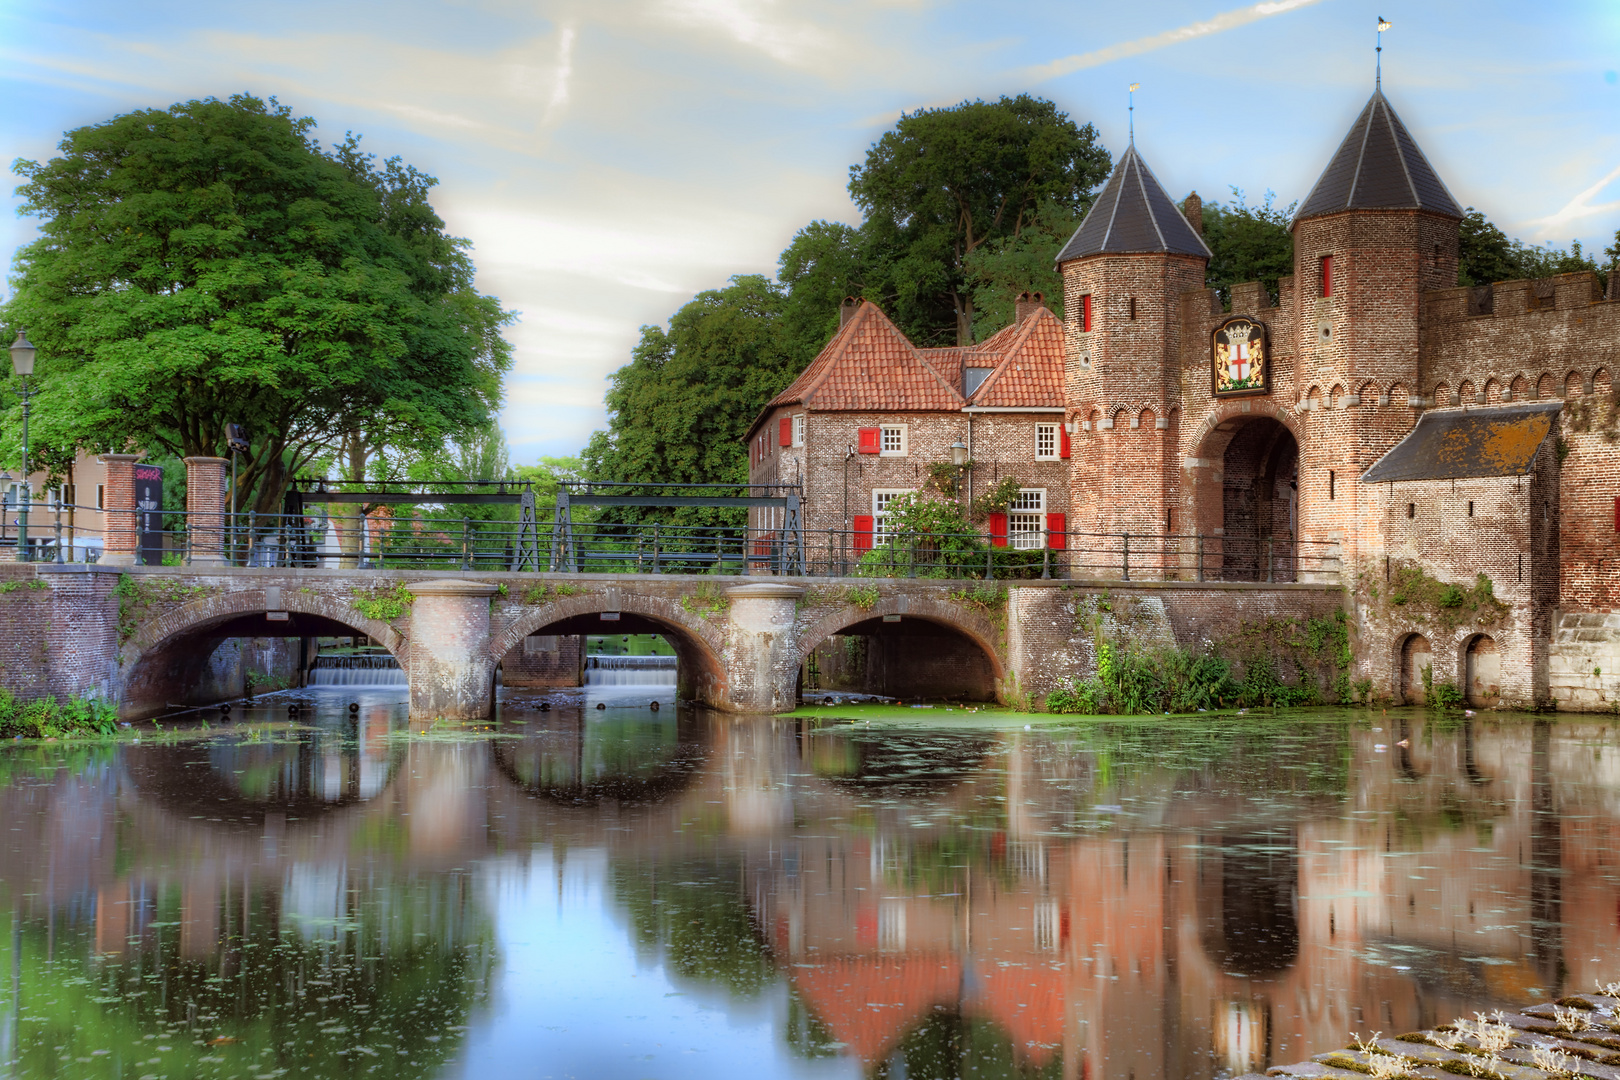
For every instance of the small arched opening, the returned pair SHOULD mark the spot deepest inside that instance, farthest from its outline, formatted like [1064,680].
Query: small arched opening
[1482,671]
[1417,660]
[900,655]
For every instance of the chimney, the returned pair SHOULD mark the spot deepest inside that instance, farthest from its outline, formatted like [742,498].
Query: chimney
[847,311]
[1026,305]
[1193,210]
[1613,291]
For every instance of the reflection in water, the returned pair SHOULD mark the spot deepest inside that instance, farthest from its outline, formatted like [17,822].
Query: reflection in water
[629,892]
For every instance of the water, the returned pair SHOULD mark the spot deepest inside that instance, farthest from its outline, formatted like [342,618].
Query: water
[630,671]
[624,893]
[362,669]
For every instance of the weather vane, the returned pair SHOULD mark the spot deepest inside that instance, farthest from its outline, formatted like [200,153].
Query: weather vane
[1378,61]
[1131,96]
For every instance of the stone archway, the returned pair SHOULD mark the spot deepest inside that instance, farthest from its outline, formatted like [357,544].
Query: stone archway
[161,662]
[1482,671]
[915,647]
[1242,492]
[698,642]
[1416,656]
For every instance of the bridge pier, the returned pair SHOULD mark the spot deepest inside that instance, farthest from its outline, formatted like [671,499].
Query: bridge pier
[761,647]
[451,672]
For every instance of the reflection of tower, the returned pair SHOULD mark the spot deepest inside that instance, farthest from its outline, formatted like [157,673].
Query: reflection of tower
[1546,861]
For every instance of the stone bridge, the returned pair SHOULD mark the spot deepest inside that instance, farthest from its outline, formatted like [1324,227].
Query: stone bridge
[143,636]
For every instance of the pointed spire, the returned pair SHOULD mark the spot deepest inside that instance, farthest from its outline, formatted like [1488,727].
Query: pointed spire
[1378,166]
[1133,215]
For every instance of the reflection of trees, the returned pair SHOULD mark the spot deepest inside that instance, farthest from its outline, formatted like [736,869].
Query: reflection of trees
[1240,754]
[693,915]
[386,985]
[895,763]
[948,1045]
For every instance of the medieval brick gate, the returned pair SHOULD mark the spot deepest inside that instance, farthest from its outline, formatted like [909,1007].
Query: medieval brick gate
[142,636]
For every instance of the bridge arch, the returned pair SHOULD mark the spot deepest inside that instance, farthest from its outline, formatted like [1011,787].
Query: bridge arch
[968,625]
[699,644]
[160,662]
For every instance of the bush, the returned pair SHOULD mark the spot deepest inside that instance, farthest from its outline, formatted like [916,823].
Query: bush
[43,718]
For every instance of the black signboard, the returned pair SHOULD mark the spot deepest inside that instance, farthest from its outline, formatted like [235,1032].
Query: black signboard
[149,507]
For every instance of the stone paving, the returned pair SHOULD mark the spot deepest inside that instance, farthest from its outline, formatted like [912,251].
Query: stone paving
[1577,1037]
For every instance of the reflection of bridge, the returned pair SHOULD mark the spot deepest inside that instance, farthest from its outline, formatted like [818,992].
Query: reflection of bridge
[144,635]
[1233,912]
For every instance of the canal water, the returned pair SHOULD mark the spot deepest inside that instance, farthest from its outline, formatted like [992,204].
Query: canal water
[626,892]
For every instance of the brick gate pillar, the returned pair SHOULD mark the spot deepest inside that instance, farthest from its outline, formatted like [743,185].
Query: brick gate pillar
[120,529]
[762,659]
[207,504]
[451,672]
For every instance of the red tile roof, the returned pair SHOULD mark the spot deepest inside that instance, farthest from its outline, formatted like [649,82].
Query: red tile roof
[1029,369]
[869,1004]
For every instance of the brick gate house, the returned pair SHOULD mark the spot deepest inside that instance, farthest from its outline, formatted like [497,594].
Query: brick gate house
[1451,453]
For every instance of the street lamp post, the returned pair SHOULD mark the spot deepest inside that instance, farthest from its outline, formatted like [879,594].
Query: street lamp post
[959,458]
[22,364]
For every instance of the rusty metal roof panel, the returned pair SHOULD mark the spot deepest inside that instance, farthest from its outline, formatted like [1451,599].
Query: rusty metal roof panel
[1451,444]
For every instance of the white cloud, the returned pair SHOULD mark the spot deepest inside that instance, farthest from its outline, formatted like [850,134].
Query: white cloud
[1556,225]
[758,24]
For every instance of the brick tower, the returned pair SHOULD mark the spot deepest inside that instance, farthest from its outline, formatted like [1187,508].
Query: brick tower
[1123,272]
[1377,230]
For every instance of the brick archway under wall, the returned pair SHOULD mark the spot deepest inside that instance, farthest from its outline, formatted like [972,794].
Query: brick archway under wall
[956,620]
[1202,501]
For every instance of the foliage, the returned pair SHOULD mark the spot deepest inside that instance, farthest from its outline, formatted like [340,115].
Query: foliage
[1486,255]
[706,598]
[384,603]
[210,263]
[989,598]
[137,594]
[680,410]
[543,593]
[925,536]
[1441,696]
[43,718]
[1249,243]
[1006,266]
[945,182]
[1423,598]
[864,597]
[997,499]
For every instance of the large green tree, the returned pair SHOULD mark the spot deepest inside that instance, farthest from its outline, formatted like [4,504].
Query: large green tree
[945,183]
[1248,243]
[211,263]
[679,411]
[1486,255]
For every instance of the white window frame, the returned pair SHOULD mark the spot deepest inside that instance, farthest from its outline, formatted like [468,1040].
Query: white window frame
[880,499]
[798,429]
[1026,520]
[101,496]
[898,433]
[1047,431]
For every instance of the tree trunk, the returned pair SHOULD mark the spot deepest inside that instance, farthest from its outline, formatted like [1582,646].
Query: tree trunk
[964,322]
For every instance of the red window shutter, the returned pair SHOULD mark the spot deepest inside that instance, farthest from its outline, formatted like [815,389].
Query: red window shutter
[1085,313]
[1063,441]
[1327,275]
[863,534]
[998,530]
[1617,513]
[1057,531]
[784,431]
[871,440]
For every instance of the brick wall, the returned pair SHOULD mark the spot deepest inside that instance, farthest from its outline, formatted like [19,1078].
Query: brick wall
[544,660]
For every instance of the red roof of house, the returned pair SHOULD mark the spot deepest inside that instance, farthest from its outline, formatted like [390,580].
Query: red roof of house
[1029,369]
[869,1004]
[870,366]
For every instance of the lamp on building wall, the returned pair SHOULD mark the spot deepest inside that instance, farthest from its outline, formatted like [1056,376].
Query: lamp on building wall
[22,365]
[959,460]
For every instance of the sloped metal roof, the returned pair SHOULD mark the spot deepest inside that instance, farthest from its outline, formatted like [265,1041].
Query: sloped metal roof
[1133,215]
[1378,167]
[1452,444]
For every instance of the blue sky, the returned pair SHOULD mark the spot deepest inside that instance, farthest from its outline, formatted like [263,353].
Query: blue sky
[610,158]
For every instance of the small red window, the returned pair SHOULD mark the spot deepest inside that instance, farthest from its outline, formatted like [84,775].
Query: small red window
[784,431]
[1617,513]
[1057,531]
[1085,313]
[1063,441]
[863,534]
[998,530]
[1327,275]
[871,440]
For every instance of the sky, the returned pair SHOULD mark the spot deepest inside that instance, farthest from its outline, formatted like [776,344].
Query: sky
[609,159]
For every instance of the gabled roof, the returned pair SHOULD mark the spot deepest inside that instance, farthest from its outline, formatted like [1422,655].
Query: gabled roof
[1378,167]
[1451,444]
[870,366]
[870,1003]
[1029,370]
[1133,215]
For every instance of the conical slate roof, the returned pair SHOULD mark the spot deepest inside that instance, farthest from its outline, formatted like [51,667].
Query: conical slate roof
[1133,214]
[1378,167]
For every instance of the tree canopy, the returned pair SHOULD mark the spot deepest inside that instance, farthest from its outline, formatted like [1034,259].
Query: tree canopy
[1486,255]
[211,264]
[1249,243]
[679,411]
[944,185]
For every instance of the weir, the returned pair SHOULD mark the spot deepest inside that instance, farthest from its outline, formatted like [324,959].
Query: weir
[629,670]
[364,669]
